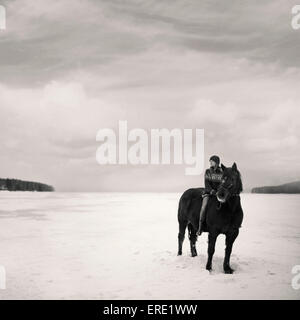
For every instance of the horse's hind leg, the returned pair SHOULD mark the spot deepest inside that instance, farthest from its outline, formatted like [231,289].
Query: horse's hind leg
[193,239]
[212,238]
[230,238]
[182,226]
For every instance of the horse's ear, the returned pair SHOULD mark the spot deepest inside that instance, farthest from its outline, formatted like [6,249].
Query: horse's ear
[234,167]
[223,167]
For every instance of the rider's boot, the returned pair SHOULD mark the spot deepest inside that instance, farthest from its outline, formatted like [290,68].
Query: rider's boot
[202,214]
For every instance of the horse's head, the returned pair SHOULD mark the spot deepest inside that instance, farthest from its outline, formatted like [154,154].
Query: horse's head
[231,183]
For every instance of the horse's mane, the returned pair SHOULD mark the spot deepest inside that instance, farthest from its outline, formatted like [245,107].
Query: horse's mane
[240,182]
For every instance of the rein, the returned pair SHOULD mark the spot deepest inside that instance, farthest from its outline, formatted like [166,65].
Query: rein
[236,194]
[219,205]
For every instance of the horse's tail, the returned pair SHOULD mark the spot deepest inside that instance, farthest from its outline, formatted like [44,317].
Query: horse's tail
[183,207]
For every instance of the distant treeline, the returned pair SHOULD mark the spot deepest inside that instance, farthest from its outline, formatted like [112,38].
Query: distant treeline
[19,185]
[293,187]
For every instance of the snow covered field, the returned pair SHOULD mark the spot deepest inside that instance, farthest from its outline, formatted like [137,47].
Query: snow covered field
[124,246]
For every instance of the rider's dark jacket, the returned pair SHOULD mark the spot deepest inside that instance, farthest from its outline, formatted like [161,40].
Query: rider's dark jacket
[212,180]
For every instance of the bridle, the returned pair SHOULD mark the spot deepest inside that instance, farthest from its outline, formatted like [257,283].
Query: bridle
[222,187]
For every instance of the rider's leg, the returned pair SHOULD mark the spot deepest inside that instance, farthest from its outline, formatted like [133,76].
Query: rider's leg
[202,211]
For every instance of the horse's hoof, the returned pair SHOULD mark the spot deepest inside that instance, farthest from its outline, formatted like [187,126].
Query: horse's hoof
[194,254]
[228,270]
[179,253]
[208,267]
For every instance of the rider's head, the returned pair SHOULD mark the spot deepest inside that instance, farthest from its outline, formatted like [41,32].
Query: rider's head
[214,161]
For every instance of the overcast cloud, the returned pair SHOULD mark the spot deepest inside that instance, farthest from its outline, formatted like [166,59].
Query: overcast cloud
[71,67]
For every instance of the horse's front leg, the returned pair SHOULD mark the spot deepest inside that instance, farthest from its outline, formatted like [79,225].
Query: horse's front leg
[212,238]
[193,239]
[230,238]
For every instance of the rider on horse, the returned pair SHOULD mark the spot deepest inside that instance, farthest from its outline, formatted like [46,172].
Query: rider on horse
[213,177]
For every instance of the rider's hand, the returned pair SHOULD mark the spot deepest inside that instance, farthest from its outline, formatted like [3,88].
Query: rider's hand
[213,192]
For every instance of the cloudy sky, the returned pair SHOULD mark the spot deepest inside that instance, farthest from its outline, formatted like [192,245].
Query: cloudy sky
[71,67]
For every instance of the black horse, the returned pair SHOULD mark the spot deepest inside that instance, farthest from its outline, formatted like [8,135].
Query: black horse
[224,215]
